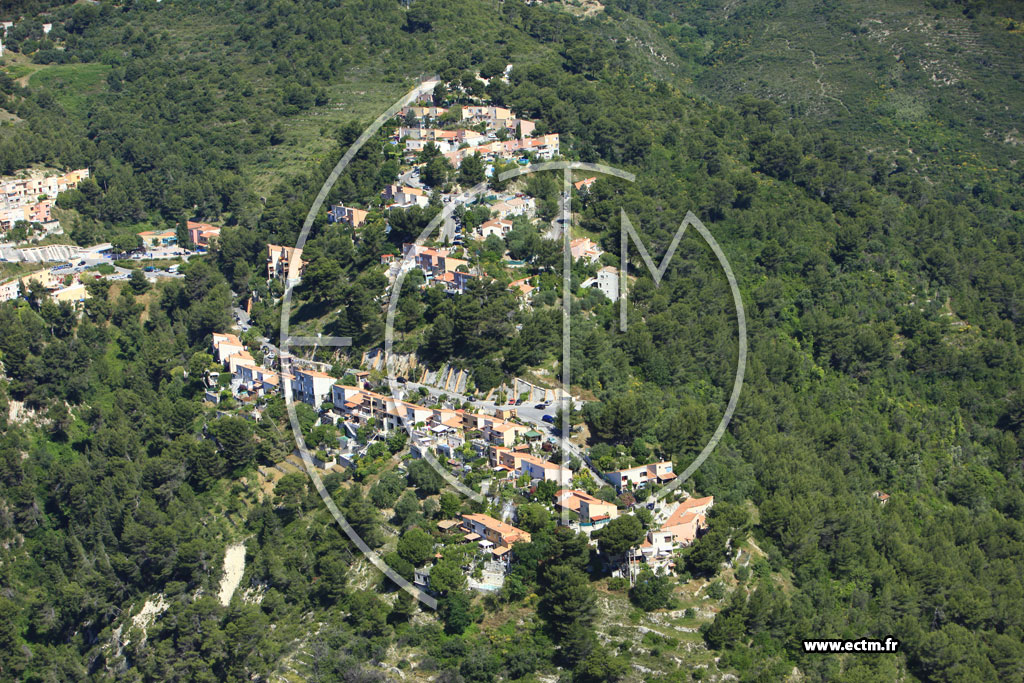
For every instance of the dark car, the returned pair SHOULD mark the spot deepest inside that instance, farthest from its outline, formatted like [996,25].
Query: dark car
[550,419]
[540,406]
[401,380]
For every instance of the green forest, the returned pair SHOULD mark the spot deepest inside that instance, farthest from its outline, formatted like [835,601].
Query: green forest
[875,225]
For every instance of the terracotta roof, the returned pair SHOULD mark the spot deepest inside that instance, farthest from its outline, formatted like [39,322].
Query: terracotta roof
[534,460]
[696,502]
[496,525]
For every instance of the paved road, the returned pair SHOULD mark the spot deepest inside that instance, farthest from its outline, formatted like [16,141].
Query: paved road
[411,178]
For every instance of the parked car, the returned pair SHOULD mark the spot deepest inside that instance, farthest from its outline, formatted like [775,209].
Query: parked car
[401,380]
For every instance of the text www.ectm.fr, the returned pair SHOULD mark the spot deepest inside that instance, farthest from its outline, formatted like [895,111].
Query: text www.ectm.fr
[890,644]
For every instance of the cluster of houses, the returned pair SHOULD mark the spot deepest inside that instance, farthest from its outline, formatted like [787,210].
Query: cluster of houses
[514,451]
[506,442]
[444,429]
[496,133]
[30,197]
[544,147]
[456,145]
[201,235]
[392,197]
[437,265]
[251,380]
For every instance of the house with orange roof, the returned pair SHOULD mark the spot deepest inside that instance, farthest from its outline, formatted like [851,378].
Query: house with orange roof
[259,380]
[496,226]
[201,234]
[535,468]
[688,520]
[225,345]
[522,287]
[454,282]
[237,359]
[495,431]
[499,534]
[584,185]
[592,511]
[403,196]
[585,248]
[681,529]
[515,206]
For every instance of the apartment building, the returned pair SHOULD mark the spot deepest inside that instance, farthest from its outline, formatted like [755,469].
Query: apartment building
[311,386]
[284,263]
[347,215]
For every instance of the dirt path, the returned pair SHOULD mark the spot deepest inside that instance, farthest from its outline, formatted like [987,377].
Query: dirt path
[234,567]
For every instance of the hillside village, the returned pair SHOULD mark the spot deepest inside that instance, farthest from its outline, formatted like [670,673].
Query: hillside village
[501,448]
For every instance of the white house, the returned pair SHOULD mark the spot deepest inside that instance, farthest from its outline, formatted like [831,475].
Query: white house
[607,281]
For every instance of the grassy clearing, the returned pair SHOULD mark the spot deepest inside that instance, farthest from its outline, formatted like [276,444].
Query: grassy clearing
[72,84]
[310,136]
